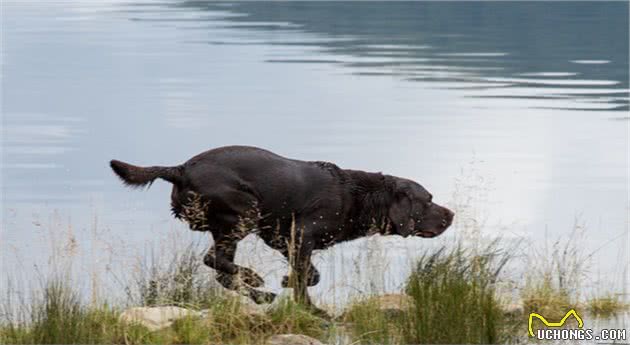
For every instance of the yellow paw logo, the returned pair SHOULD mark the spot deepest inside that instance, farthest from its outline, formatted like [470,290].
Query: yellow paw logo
[554,324]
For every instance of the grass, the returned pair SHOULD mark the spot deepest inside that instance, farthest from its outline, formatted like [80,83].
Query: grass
[229,321]
[57,314]
[370,324]
[443,287]
[452,299]
[290,317]
[554,276]
[180,282]
[541,296]
[59,317]
[606,306]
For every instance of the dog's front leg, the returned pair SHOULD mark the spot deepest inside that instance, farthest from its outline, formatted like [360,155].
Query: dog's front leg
[312,276]
[299,255]
[301,270]
[303,274]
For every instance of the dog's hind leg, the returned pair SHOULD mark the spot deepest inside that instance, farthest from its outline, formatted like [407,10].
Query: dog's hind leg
[221,258]
[234,277]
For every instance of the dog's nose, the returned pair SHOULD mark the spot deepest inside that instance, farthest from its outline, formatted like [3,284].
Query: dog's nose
[449,214]
[448,218]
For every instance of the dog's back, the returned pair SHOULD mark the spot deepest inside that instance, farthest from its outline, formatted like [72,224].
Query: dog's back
[281,186]
[231,176]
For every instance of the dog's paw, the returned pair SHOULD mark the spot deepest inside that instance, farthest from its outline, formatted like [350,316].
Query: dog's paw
[249,277]
[262,297]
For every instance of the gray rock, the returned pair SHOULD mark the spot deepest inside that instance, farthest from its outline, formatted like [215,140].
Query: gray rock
[393,301]
[156,318]
[392,305]
[248,306]
[292,339]
[513,309]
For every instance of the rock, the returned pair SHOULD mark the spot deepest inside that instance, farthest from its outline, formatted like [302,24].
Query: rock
[334,311]
[292,339]
[513,309]
[509,301]
[392,305]
[393,301]
[246,305]
[156,318]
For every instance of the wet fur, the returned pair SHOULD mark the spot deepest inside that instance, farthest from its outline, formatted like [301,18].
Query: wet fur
[237,190]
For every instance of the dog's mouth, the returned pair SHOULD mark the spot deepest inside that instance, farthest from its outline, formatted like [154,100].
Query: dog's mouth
[428,233]
[436,230]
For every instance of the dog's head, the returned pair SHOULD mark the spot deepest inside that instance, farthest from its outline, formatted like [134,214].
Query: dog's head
[413,212]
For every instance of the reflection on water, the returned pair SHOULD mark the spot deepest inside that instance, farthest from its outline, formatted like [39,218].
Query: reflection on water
[581,45]
[527,101]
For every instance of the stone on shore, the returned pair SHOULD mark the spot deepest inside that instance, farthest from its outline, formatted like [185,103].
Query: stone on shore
[292,339]
[156,318]
[392,305]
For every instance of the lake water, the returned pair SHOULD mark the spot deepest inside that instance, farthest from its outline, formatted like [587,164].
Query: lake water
[516,114]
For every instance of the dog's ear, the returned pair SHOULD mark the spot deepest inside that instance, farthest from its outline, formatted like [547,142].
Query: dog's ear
[400,215]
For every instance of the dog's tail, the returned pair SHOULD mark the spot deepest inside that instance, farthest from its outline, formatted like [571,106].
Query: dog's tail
[136,176]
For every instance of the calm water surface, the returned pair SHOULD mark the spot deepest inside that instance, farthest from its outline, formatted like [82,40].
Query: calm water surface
[514,113]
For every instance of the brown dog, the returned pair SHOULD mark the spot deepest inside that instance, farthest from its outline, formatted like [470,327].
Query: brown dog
[294,206]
